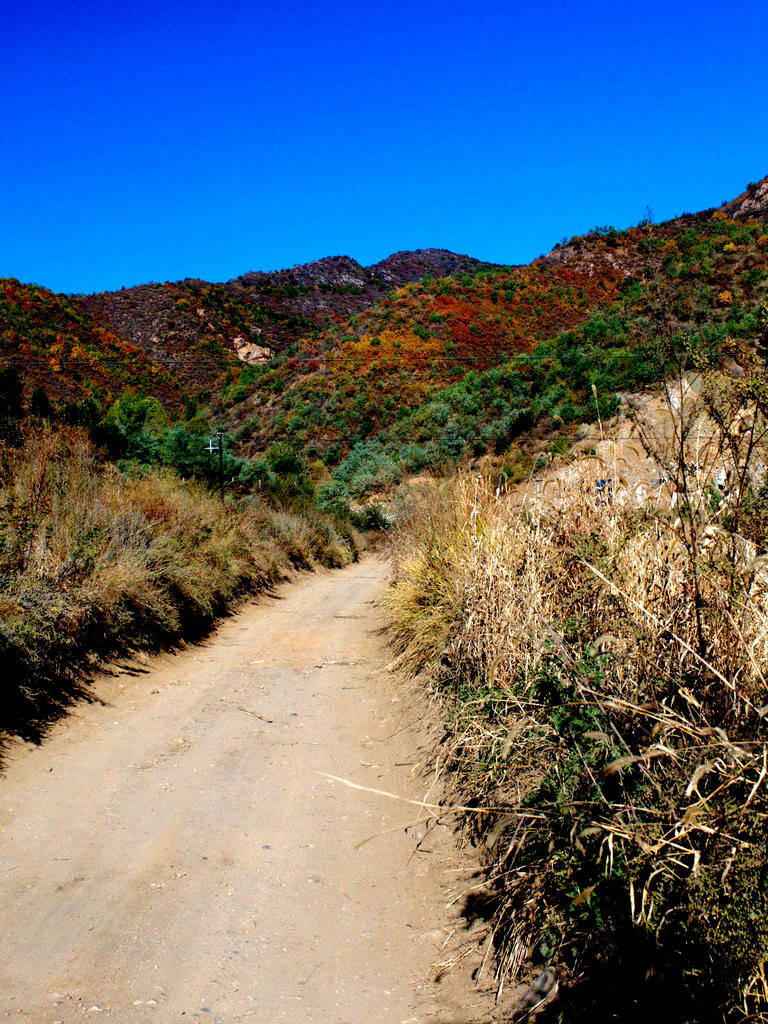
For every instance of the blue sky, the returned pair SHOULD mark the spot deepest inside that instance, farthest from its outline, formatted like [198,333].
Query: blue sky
[154,141]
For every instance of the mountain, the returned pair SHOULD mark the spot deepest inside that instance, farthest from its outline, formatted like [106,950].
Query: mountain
[510,361]
[428,348]
[341,275]
[190,338]
[194,327]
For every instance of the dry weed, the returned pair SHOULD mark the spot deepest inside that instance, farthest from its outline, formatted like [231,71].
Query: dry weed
[93,562]
[606,666]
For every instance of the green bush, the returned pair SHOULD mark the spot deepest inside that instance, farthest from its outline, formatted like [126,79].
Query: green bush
[284,459]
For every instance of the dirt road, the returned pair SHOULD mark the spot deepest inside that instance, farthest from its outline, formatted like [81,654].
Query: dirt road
[173,852]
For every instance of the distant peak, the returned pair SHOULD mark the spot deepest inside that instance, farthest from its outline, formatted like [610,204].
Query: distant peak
[393,271]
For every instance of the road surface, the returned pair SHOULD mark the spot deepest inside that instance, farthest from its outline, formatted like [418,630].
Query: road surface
[173,852]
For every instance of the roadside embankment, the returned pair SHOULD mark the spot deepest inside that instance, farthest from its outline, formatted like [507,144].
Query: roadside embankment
[602,669]
[94,563]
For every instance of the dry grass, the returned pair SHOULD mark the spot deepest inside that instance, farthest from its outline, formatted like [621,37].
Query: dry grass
[606,668]
[93,562]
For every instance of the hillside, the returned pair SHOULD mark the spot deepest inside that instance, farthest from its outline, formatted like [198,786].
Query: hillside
[509,361]
[427,351]
[357,378]
[195,328]
[48,343]
[193,338]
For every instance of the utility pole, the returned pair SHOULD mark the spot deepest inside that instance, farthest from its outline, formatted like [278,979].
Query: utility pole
[211,448]
[220,437]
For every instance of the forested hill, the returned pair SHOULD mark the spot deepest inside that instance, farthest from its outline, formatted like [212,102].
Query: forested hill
[508,361]
[425,359]
[257,315]
[190,339]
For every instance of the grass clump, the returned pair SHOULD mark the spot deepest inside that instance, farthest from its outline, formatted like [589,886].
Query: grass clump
[606,669]
[94,562]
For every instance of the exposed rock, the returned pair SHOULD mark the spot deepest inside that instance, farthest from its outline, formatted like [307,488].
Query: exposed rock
[753,202]
[251,353]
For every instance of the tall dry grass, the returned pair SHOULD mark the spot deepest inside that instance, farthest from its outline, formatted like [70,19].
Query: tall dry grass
[606,670]
[93,562]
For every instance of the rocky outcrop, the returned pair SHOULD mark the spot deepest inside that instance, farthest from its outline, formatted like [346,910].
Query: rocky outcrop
[751,203]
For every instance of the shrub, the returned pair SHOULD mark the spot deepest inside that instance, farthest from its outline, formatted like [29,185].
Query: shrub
[370,517]
[284,460]
[333,497]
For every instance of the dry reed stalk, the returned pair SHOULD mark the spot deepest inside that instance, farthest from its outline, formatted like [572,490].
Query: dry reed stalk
[606,668]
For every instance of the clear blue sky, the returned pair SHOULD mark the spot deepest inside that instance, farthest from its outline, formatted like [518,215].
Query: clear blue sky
[158,140]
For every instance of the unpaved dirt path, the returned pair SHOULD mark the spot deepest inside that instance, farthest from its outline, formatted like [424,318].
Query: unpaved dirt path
[173,852]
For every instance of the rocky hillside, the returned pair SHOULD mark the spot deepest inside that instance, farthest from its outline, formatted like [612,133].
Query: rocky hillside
[342,276]
[194,327]
[427,347]
[55,351]
[753,201]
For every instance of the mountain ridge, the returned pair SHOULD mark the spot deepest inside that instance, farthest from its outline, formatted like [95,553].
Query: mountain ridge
[328,353]
[200,331]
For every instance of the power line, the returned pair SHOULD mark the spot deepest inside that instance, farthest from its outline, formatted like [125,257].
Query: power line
[196,361]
